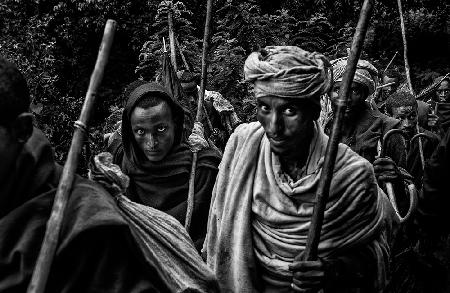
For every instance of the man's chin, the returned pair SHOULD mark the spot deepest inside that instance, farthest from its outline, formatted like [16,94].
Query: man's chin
[279,150]
[155,157]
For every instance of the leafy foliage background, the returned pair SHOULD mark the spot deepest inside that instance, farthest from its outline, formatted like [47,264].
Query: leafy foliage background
[55,44]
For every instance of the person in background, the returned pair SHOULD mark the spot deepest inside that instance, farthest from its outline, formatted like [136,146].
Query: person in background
[220,114]
[364,127]
[403,106]
[150,149]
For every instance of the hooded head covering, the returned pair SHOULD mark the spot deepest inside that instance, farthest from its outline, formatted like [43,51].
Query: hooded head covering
[365,73]
[164,184]
[131,148]
[288,72]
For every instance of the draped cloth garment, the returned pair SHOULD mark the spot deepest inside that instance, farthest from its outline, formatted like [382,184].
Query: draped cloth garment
[164,185]
[96,251]
[259,221]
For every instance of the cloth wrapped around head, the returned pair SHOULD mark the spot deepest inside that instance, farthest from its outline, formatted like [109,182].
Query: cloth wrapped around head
[288,72]
[365,73]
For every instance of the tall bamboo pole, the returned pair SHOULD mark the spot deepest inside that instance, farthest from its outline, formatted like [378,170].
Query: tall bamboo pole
[311,250]
[48,248]
[198,117]
[173,56]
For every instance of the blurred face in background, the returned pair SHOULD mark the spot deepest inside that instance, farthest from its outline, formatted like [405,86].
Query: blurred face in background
[390,89]
[443,92]
[355,101]
[408,117]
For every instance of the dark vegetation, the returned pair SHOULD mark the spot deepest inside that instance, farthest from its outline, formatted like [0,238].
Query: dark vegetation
[55,44]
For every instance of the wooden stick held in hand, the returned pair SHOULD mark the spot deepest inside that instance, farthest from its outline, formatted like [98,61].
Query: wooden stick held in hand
[48,248]
[191,193]
[311,250]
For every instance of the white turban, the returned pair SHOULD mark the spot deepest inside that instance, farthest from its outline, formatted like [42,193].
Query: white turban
[288,72]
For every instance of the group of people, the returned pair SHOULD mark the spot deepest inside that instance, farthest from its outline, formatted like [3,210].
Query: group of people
[252,203]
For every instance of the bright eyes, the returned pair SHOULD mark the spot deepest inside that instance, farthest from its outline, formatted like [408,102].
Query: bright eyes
[159,129]
[287,111]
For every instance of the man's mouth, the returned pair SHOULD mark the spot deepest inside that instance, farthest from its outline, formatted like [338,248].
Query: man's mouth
[152,152]
[277,141]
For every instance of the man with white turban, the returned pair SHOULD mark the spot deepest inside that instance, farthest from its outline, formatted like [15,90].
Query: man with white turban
[265,190]
[363,128]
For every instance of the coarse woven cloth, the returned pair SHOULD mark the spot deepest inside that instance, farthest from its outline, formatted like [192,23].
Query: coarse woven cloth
[288,72]
[163,241]
[246,204]
[365,73]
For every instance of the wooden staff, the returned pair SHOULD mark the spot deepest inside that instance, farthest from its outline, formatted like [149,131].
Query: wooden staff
[405,47]
[48,248]
[186,65]
[408,73]
[190,207]
[389,64]
[323,189]
[173,56]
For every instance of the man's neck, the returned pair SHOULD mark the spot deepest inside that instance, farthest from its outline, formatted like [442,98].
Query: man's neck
[294,164]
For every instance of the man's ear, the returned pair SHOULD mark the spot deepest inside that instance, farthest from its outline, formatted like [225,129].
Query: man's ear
[22,127]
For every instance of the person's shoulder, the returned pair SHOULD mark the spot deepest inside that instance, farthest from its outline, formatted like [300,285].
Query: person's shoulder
[350,161]
[389,122]
[245,130]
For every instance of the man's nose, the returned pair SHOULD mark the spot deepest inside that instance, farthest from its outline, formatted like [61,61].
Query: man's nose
[151,141]
[407,123]
[274,126]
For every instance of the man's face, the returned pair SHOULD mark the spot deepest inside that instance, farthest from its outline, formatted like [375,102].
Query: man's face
[408,117]
[354,102]
[388,90]
[154,130]
[443,92]
[287,125]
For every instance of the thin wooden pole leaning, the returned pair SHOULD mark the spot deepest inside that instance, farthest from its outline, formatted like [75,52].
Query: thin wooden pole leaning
[186,65]
[408,73]
[173,56]
[311,250]
[191,192]
[405,47]
[48,248]
[389,64]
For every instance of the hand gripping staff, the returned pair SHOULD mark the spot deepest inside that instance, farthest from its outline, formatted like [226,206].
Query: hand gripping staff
[48,248]
[311,250]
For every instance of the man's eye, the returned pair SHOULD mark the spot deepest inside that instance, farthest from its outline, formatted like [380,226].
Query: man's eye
[290,111]
[264,108]
[161,128]
[140,132]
